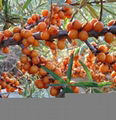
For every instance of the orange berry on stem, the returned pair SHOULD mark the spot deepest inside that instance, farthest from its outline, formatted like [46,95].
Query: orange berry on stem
[45,35]
[83,35]
[73,34]
[109,37]
[33,69]
[54,91]
[76,25]
[5,50]
[45,13]
[87,27]
[98,26]
[17,37]
[41,26]
[104,68]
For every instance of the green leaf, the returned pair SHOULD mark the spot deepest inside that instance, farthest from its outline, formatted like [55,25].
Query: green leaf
[96,91]
[57,85]
[2,57]
[102,84]
[69,71]
[67,90]
[26,4]
[76,51]
[85,84]
[87,71]
[55,76]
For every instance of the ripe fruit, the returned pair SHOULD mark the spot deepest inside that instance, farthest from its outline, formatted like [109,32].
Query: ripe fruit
[98,26]
[61,44]
[69,1]
[53,30]
[109,37]
[30,40]
[1,36]
[103,48]
[101,57]
[113,74]
[36,43]
[109,58]
[93,21]
[35,60]
[26,66]
[45,13]
[103,68]
[87,27]
[17,36]
[41,26]
[7,33]
[114,66]
[5,50]
[39,84]
[42,72]
[61,15]
[16,29]
[50,66]
[24,59]
[75,89]
[54,91]
[69,26]
[35,17]
[110,23]
[58,71]
[34,53]
[76,25]
[27,33]
[73,34]
[25,42]
[46,79]
[30,21]
[26,51]
[45,35]
[83,35]
[33,69]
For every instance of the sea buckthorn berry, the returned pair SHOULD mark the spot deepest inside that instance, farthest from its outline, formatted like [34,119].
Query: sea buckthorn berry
[113,74]
[27,33]
[36,43]
[61,15]
[16,29]
[30,21]
[42,72]
[87,27]
[104,68]
[109,37]
[26,51]
[61,44]
[35,60]
[5,50]
[1,36]
[33,69]
[76,25]
[73,34]
[98,26]
[50,66]
[7,33]
[83,35]
[35,17]
[30,40]
[25,42]
[45,13]
[26,66]
[93,21]
[114,79]
[110,23]
[114,66]
[109,58]
[39,84]
[58,71]
[41,26]
[69,1]
[69,26]
[34,53]
[46,79]
[53,30]
[24,59]
[52,45]
[103,48]
[45,35]
[75,89]
[54,91]
[101,57]
[17,37]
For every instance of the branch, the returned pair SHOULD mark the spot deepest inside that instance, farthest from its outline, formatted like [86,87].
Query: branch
[101,10]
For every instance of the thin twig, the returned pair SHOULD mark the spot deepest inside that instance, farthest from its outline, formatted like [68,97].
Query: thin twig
[101,10]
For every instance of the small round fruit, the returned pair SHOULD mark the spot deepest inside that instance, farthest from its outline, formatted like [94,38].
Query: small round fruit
[24,59]
[104,68]
[45,35]
[39,84]
[54,91]
[73,34]
[109,58]
[76,25]
[109,37]
[33,69]
[98,26]
[83,35]
[101,57]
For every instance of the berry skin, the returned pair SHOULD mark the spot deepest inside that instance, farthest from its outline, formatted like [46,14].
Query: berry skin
[61,44]
[24,59]
[76,25]
[114,66]
[87,27]
[113,74]
[16,29]
[50,66]
[54,91]
[83,35]
[41,26]
[26,51]
[53,30]
[33,69]
[103,68]
[45,13]
[34,53]
[35,60]
[69,26]
[103,48]
[17,36]
[45,35]
[110,23]
[109,58]
[109,37]
[73,34]
[5,50]
[39,84]
[7,33]
[101,57]
[98,26]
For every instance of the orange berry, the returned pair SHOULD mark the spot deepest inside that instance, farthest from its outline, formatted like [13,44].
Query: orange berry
[41,26]
[69,1]
[26,66]
[54,91]
[98,26]
[34,53]
[26,51]
[93,21]
[101,57]
[42,72]
[113,74]
[61,15]
[114,79]
[36,43]
[35,17]
[104,68]
[45,13]
[109,37]
[35,60]
[33,69]
[24,59]
[69,26]
[73,34]
[114,66]
[30,21]
[50,66]
[103,48]
[7,33]
[58,71]
[27,33]
[53,30]
[1,36]
[5,50]
[83,35]
[39,84]
[17,37]
[52,45]
[45,35]
[87,27]
[76,24]
[75,89]
[25,42]
[46,79]
[110,23]
[30,40]
[16,29]
[109,58]
[61,44]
